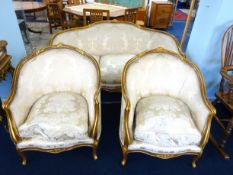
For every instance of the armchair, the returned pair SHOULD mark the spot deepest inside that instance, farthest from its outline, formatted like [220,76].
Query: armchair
[165,112]
[54,103]
[225,92]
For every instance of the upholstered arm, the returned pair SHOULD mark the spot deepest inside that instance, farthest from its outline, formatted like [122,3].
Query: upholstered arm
[162,72]
[54,69]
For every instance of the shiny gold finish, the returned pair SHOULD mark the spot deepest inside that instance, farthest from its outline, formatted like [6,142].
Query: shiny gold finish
[12,126]
[23,157]
[127,133]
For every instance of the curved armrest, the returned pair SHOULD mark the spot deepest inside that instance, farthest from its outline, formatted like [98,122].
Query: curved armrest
[224,73]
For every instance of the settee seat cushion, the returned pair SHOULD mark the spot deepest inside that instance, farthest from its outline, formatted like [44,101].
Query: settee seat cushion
[57,117]
[111,67]
[165,121]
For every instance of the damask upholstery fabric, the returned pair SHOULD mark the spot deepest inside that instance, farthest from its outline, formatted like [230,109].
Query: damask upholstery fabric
[165,121]
[111,67]
[55,70]
[109,39]
[45,144]
[137,145]
[164,74]
[115,38]
[57,116]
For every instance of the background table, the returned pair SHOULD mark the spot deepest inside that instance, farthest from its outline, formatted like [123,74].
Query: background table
[115,11]
[29,6]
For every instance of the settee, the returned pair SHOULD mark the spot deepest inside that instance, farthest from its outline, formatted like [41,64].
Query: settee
[113,43]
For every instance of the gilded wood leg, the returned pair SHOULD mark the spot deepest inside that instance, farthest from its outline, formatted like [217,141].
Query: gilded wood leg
[194,165]
[94,151]
[124,154]
[227,132]
[23,157]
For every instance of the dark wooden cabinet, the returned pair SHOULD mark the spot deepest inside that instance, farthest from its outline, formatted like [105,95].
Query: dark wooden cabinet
[161,14]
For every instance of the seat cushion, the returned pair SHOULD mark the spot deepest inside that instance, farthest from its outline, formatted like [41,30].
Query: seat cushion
[111,67]
[166,122]
[57,116]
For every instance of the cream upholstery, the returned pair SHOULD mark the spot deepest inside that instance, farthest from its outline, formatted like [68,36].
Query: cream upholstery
[111,67]
[168,112]
[165,121]
[54,105]
[106,39]
[57,116]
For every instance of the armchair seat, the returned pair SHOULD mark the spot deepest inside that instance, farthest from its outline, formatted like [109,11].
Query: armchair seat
[111,67]
[165,121]
[57,117]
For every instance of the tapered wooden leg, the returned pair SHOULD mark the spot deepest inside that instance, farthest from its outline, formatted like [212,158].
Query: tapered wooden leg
[194,162]
[221,150]
[23,157]
[94,151]
[124,154]
[227,132]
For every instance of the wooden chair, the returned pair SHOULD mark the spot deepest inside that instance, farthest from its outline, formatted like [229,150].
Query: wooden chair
[225,93]
[5,61]
[95,15]
[131,15]
[76,2]
[57,18]
[54,15]
[136,15]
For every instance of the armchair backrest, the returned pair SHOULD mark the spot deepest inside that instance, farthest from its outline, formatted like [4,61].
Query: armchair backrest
[53,69]
[115,37]
[227,47]
[163,72]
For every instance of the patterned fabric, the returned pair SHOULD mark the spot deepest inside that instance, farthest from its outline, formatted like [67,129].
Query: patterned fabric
[55,70]
[111,67]
[115,38]
[137,145]
[57,117]
[164,74]
[45,144]
[165,122]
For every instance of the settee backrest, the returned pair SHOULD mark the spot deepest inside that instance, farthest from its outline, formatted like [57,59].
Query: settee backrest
[112,37]
[53,70]
[163,73]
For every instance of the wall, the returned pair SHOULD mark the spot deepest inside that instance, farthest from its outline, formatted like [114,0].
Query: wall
[126,3]
[10,32]
[204,47]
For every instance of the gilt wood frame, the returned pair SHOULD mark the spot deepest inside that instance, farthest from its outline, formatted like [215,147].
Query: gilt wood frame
[127,136]
[12,126]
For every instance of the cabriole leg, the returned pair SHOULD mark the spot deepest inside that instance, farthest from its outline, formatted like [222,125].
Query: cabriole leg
[94,153]
[23,157]
[194,165]
[124,154]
